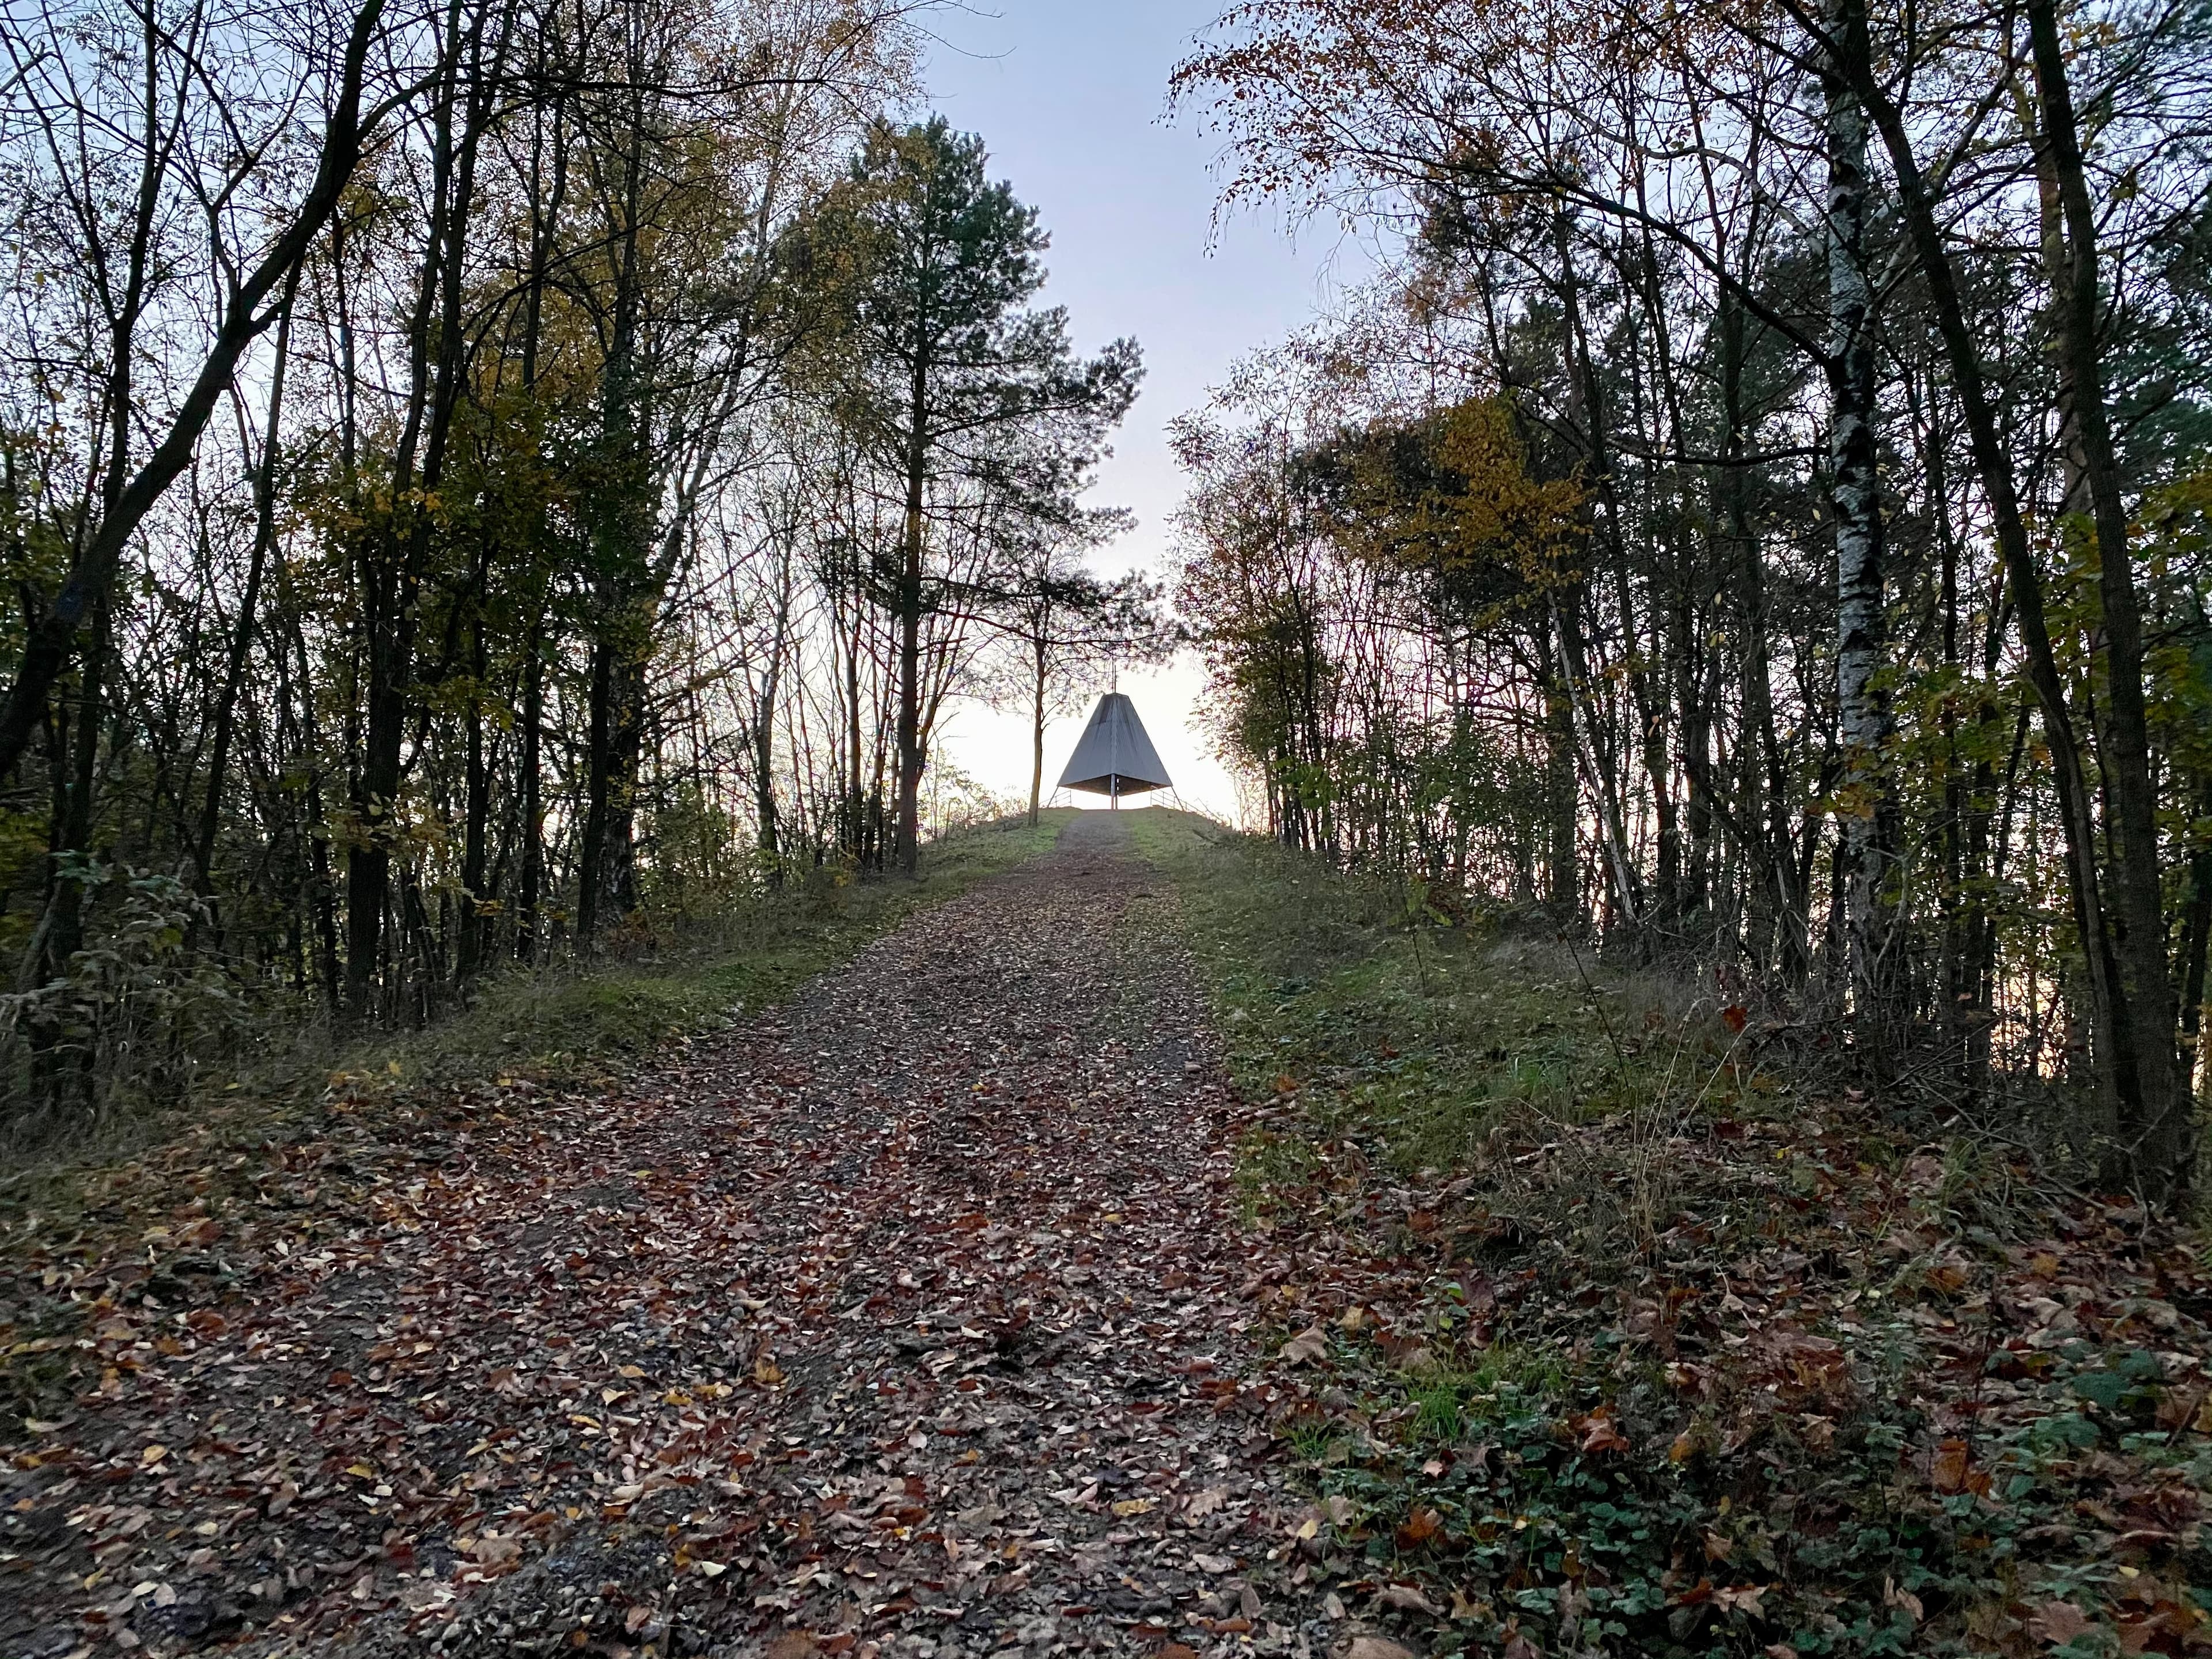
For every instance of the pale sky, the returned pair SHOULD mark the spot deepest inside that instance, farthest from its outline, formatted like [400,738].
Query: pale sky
[1069,96]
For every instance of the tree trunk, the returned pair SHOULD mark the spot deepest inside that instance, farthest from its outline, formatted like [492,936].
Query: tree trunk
[908,851]
[599,776]
[2196,944]
[264,544]
[530,891]
[92,571]
[767,832]
[475,899]
[1866,815]
[2118,1087]
[1036,731]
[2156,1129]
[1562,884]
[618,538]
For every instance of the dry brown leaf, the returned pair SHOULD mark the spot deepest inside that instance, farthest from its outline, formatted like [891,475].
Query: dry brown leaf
[2059,1622]
[1408,1598]
[1378,1646]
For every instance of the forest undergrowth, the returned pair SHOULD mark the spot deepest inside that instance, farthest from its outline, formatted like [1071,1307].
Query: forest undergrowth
[294,1094]
[1615,1332]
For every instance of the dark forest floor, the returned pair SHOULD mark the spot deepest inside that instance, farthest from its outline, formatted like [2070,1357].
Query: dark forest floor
[908,1317]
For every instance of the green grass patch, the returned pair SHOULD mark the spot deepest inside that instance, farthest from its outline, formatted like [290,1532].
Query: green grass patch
[1418,1044]
[1616,1338]
[577,1022]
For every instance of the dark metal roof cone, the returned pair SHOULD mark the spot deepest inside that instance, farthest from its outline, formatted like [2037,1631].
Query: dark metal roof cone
[1114,756]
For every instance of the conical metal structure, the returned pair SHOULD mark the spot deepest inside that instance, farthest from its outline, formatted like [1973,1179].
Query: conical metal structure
[1114,756]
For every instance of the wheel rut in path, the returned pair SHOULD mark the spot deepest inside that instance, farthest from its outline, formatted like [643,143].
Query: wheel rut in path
[904,1320]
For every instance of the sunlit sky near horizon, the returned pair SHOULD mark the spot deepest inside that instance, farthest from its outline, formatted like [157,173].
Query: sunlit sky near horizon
[1070,98]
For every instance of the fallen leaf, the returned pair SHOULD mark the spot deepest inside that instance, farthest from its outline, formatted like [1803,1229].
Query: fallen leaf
[2059,1623]
[1742,1598]
[1407,1599]
[1952,1470]
[1600,1434]
[493,1550]
[1419,1527]
[1378,1646]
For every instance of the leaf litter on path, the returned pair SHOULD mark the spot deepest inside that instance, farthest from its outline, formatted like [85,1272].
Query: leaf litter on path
[910,1318]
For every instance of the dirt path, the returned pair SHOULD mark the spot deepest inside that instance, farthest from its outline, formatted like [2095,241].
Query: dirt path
[905,1320]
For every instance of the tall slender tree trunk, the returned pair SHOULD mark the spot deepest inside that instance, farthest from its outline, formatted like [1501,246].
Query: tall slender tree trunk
[856,808]
[64,923]
[1036,727]
[530,896]
[910,759]
[475,899]
[2156,1129]
[2119,1087]
[1562,867]
[618,544]
[768,827]
[2196,946]
[241,641]
[1867,811]
[546,208]
[393,567]
[599,777]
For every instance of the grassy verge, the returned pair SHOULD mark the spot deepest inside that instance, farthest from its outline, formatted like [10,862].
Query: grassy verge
[578,1026]
[1615,1337]
[305,1110]
[569,1025]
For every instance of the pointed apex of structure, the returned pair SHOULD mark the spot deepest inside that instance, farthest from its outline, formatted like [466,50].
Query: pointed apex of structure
[1114,756]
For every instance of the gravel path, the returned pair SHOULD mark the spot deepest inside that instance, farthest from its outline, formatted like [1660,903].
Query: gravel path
[907,1319]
